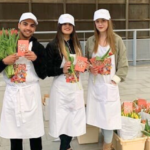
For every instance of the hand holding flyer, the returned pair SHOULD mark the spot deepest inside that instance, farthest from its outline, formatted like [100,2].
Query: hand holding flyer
[22,47]
[96,63]
[81,64]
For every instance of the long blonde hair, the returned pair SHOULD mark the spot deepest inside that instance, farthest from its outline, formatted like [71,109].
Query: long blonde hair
[110,37]
[61,43]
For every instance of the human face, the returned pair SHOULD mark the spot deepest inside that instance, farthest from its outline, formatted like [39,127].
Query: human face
[101,25]
[27,28]
[67,28]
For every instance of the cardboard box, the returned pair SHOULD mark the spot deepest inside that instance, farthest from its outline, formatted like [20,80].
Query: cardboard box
[91,136]
[135,144]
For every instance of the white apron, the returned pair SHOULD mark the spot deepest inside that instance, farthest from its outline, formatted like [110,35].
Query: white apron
[67,111]
[103,100]
[21,116]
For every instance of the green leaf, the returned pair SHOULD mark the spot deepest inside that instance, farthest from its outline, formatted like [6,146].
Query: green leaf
[106,55]
[146,133]
[99,58]
[9,70]
[72,59]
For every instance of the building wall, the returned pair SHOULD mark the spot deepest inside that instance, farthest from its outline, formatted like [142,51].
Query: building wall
[126,14]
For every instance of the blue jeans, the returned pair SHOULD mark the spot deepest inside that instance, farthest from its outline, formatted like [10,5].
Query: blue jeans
[108,135]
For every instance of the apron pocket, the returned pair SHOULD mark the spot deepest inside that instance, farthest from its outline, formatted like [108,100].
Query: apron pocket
[67,100]
[9,99]
[105,92]
[79,100]
[112,93]
[98,92]
[72,101]
[29,99]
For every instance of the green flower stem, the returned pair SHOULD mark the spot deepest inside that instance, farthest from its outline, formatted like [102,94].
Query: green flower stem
[78,83]
[9,70]
[71,70]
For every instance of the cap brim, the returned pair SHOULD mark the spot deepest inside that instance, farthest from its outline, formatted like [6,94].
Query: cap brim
[31,19]
[66,22]
[101,18]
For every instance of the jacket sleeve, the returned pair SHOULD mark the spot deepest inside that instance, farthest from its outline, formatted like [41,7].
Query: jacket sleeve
[86,49]
[122,62]
[2,66]
[52,68]
[40,62]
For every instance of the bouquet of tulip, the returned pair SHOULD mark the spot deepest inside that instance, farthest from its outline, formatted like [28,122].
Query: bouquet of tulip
[72,68]
[147,111]
[108,54]
[131,122]
[140,103]
[8,45]
[100,61]
[133,115]
[127,110]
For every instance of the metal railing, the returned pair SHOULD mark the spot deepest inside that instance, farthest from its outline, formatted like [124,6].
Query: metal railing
[134,48]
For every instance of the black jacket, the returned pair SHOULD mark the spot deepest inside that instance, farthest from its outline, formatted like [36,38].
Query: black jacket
[54,57]
[39,63]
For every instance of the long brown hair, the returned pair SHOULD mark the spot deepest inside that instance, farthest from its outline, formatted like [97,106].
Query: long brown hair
[110,37]
[61,43]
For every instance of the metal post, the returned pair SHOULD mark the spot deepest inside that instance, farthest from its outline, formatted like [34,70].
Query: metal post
[149,15]
[84,44]
[127,17]
[30,5]
[134,47]
[64,6]
[96,4]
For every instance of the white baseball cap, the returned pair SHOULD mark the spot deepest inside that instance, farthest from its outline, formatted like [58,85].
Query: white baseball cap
[101,14]
[66,18]
[28,15]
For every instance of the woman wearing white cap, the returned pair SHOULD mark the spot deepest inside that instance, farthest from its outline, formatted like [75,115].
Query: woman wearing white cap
[103,102]
[67,112]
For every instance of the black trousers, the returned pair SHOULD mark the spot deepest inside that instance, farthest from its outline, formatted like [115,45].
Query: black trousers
[35,144]
[65,141]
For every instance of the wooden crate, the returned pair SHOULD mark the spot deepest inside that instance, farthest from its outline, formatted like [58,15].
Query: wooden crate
[147,144]
[135,144]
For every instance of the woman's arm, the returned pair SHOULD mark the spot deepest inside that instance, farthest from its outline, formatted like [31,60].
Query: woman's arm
[122,63]
[86,49]
[53,64]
